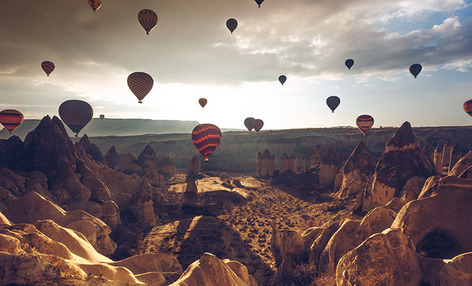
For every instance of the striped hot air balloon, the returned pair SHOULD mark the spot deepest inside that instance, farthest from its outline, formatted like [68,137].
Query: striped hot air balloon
[76,114]
[468,107]
[95,4]
[47,67]
[206,137]
[257,124]
[364,123]
[148,19]
[140,83]
[11,119]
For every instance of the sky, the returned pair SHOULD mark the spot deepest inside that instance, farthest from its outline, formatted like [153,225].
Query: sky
[191,54]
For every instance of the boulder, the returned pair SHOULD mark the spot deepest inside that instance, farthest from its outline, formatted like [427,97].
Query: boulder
[382,259]
[457,271]
[435,224]
[209,270]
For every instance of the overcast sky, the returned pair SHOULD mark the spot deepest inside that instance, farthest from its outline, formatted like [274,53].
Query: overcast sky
[191,54]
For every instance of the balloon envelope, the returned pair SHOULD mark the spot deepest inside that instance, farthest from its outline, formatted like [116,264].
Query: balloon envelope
[259,2]
[468,107]
[257,124]
[415,69]
[102,116]
[11,119]
[364,123]
[231,24]
[248,123]
[282,79]
[206,137]
[148,19]
[95,4]
[349,63]
[47,67]
[203,102]
[333,102]
[76,114]
[140,83]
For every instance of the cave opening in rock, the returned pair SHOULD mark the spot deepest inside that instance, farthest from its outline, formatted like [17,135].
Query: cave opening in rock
[438,244]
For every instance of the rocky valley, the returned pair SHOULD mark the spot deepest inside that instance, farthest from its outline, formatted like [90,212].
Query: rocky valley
[300,207]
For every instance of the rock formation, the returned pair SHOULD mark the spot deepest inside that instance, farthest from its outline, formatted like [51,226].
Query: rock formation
[463,164]
[265,164]
[193,167]
[456,154]
[429,151]
[329,167]
[438,163]
[403,158]
[357,172]
[165,166]
[211,271]
[91,148]
[141,205]
[288,163]
[111,157]
[147,158]
[316,157]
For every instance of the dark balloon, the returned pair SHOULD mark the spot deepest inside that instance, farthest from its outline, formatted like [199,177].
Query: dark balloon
[282,79]
[468,107]
[76,114]
[415,69]
[47,67]
[11,119]
[333,102]
[203,102]
[102,116]
[140,83]
[206,137]
[259,2]
[231,24]
[364,123]
[349,63]
[95,4]
[248,123]
[148,19]
[257,124]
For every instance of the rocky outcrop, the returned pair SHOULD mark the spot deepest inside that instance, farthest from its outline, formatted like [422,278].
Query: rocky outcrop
[141,205]
[91,148]
[111,157]
[383,259]
[193,167]
[147,158]
[456,154]
[265,164]
[211,271]
[165,166]
[288,163]
[429,151]
[438,157]
[315,159]
[446,158]
[463,164]
[329,167]
[357,172]
[403,158]
[457,271]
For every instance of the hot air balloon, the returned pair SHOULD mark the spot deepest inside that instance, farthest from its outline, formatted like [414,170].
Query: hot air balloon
[349,63]
[48,67]
[140,83]
[282,79]
[333,102]
[231,24]
[206,137]
[248,123]
[415,69]
[364,123]
[259,2]
[102,116]
[95,4]
[148,19]
[76,114]
[468,107]
[10,119]
[257,124]
[203,102]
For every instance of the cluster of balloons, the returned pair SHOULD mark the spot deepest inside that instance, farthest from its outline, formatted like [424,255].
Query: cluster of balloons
[252,123]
